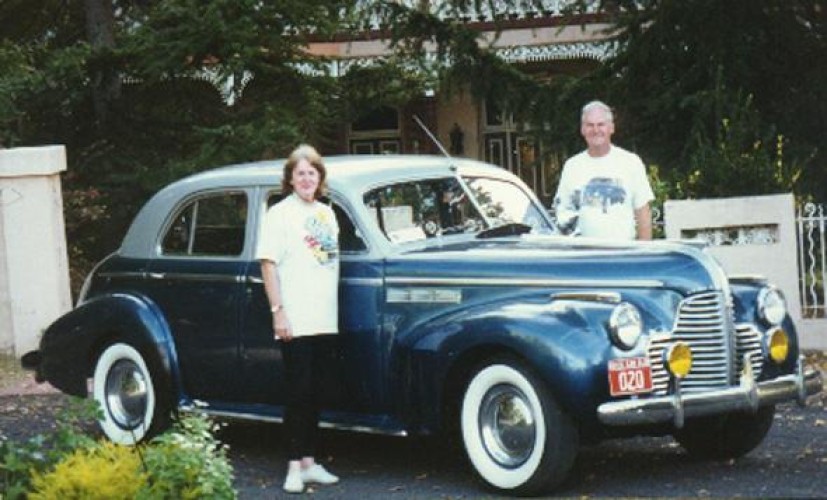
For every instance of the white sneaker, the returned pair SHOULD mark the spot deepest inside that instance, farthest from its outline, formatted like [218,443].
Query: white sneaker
[294,483]
[318,474]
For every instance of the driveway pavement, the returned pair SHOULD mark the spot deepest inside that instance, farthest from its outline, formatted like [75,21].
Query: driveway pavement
[790,463]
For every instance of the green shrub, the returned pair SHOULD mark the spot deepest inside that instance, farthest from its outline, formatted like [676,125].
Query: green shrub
[20,461]
[105,472]
[188,462]
[185,462]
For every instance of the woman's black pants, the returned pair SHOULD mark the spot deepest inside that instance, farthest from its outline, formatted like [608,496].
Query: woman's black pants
[305,362]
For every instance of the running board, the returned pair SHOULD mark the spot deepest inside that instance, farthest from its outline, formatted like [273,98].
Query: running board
[381,429]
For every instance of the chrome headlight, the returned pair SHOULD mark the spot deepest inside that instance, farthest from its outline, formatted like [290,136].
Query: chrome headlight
[625,325]
[772,308]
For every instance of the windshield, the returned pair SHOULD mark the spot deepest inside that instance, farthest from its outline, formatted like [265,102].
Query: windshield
[416,210]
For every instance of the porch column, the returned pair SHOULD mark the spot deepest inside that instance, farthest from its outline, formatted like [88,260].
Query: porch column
[34,269]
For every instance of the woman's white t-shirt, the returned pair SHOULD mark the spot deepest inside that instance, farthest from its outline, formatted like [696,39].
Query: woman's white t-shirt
[302,240]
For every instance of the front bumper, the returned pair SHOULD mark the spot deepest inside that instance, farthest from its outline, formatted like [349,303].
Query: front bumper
[749,395]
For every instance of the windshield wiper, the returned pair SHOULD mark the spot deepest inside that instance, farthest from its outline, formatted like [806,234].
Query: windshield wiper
[508,229]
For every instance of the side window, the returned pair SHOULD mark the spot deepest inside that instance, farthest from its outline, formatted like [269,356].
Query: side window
[212,225]
[350,240]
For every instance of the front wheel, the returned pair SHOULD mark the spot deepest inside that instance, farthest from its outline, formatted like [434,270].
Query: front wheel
[726,436]
[124,387]
[516,436]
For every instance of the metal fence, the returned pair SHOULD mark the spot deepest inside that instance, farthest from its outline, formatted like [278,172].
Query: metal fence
[812,266]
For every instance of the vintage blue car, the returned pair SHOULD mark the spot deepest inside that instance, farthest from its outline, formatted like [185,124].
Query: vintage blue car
[461,309]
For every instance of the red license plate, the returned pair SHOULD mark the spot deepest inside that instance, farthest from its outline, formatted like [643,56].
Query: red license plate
[630,376]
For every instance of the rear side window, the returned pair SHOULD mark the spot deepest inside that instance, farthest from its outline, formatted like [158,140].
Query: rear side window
[212,225]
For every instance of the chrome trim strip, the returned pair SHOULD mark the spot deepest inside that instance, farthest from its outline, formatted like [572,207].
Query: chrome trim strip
[421,295]
[121,274]
[278,420]
[530,282]
[202,277]
[377,282]
[603,297]
[205,278]
[362,281]
[748,395]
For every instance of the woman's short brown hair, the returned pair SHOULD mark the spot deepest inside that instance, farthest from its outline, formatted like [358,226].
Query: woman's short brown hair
[309,153]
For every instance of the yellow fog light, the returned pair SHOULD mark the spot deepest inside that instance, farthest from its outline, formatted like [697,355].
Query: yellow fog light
[678,359]
[778,345]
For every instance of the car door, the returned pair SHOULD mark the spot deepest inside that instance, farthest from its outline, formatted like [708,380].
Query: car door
[353,380]
[196,280]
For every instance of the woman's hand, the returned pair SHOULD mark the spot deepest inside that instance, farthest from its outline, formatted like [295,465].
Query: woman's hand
[281,325]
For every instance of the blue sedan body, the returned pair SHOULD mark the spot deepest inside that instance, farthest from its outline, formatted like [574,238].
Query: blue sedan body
[423,310]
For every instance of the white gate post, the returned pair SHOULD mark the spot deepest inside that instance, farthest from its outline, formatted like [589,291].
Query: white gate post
[749,235]
[34,270]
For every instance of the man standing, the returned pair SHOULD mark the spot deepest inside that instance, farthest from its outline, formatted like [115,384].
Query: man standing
[603,191]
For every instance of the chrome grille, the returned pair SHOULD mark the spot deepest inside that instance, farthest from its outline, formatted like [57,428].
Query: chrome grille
[748,341]
[701,323]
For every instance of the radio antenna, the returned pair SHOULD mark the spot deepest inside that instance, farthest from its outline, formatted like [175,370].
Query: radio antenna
[431,136]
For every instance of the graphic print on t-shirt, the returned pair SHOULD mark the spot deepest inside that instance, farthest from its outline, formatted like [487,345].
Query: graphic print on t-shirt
[321,238]
[603,192]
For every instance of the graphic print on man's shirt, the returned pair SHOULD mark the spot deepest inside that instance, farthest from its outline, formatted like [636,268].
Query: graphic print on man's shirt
[321,238]
[603,193]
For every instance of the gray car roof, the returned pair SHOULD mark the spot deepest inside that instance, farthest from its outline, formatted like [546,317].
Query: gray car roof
[348,176]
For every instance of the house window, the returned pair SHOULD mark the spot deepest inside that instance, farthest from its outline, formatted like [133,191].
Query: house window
[507,147]
[506,144]
[376,132]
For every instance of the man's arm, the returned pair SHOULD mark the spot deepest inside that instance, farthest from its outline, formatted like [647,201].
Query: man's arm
[643,222]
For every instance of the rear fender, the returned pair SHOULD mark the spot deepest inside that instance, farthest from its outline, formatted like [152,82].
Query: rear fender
[70,346]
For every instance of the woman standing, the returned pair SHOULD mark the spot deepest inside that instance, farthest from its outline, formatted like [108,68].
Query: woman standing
[298,251]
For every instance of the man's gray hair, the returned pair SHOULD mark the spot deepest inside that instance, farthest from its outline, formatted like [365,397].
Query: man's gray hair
[597,105]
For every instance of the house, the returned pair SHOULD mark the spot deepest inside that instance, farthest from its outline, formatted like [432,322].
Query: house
[542,38]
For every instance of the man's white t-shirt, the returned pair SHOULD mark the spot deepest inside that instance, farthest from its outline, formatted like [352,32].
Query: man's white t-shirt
[302,239]
[597,196]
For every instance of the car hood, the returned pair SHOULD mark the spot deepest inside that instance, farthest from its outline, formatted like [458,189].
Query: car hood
[563,262]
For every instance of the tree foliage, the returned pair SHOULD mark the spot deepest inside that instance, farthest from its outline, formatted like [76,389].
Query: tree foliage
[166,118]
[689,73]
[723,97]
[706,90]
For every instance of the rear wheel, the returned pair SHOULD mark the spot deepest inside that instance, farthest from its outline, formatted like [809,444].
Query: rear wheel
[516,436]
[726,436]
[125,388]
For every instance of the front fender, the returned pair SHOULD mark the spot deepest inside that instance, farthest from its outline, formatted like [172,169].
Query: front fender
[565,342]
[70,345]
[745,304]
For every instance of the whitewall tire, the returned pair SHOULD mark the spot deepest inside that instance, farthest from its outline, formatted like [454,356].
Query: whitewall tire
[124,388]
[515,435]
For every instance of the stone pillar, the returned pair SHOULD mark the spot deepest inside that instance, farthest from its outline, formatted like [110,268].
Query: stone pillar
[34,269]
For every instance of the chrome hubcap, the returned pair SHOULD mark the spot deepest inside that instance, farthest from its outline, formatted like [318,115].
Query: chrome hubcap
[126,394]
[507,425]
